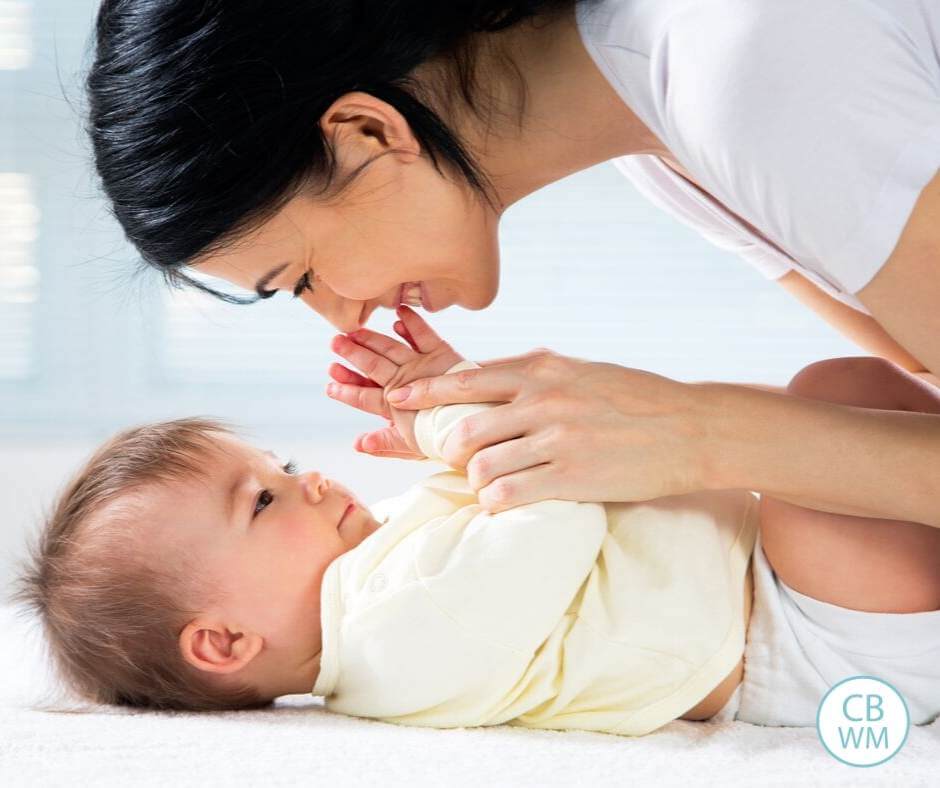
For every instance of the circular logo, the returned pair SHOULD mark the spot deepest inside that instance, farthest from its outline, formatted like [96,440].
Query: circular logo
[863,721]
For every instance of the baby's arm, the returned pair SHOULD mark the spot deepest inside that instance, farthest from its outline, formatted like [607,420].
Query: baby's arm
[433,425]
[466,606]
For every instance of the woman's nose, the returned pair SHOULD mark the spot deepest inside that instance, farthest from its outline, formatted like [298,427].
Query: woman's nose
[342,313]
[314,486]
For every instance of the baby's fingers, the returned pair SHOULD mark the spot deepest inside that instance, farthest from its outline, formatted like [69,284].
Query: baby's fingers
[392,349]
[403,332]
[372,364]
[341,374]
[366,398]
[422,335]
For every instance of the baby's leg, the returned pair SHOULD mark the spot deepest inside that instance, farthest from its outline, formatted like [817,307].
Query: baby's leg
[862,563]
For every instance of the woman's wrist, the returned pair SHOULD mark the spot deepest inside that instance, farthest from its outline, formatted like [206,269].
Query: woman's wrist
[719,417]
[756,438]
[848,460]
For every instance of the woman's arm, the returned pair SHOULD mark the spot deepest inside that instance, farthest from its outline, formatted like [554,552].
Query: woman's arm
[904,296]
[862,329]
[872,463]
[592,431]
[836,458]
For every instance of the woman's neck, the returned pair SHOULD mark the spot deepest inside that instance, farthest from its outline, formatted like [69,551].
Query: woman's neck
[572,118]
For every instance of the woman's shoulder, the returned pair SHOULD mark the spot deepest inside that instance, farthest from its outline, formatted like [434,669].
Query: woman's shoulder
[816,122]
[737,56]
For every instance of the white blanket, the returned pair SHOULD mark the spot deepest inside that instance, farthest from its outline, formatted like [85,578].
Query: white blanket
[297,742]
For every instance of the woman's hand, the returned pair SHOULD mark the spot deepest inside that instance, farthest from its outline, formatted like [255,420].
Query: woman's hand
[388,363]
[569,429]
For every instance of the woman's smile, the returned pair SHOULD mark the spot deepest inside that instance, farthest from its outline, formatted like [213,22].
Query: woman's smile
[410,294]
[415,294]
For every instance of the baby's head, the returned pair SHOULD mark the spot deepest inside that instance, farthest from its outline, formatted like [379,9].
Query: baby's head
[181,568]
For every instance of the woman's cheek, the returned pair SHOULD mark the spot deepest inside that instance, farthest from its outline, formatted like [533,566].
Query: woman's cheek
[364,291]
[369,279]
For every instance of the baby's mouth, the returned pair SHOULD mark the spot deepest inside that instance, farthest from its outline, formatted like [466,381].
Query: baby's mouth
[349,508]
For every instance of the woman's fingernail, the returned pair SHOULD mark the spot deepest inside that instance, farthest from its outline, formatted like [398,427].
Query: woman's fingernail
[330,389]
[398,395]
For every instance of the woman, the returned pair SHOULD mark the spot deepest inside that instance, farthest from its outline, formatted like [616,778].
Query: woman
[361,154]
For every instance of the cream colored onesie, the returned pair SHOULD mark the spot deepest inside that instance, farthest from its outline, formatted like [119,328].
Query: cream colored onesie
[615,617]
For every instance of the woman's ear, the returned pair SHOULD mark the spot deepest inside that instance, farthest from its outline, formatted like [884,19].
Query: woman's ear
[211,646]
[361,125]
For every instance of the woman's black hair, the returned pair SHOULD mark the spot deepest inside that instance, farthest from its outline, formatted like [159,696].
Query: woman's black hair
[204,115]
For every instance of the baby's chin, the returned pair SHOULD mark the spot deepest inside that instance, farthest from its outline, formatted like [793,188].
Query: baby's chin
[372,522]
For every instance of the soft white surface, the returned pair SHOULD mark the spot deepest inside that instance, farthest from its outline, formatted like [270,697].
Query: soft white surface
[299,743]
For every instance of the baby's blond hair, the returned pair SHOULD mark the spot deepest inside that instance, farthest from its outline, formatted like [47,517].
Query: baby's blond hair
[111,619]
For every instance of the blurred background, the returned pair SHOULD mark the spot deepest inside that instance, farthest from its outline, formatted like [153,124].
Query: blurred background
[90,344]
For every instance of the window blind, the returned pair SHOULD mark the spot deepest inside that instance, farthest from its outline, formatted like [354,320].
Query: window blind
[15,41]
[19,274]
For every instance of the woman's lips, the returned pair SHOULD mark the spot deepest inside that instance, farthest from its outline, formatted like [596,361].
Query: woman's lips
[406,287]
[425,299]
[407,294]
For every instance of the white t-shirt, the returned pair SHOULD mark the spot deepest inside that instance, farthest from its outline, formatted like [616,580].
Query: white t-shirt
[816,121]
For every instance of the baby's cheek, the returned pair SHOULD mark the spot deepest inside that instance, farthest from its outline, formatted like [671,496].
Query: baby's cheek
[306,544]
[297,533]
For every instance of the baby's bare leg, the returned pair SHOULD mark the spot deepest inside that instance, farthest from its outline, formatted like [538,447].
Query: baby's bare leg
[862,563]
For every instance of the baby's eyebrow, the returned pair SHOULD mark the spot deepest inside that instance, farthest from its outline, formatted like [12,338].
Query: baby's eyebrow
[231,497]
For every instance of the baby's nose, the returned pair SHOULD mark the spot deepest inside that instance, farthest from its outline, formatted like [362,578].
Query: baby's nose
[315,486]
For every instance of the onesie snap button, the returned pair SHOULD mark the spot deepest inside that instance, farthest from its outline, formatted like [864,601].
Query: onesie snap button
[378,582]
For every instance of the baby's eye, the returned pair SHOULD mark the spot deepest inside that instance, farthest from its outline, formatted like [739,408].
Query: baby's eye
[264,498]
[289,467]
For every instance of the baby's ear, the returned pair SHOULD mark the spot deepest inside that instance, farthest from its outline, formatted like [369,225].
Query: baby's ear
[210,645]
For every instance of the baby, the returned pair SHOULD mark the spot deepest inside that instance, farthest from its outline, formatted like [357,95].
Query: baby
[183,568]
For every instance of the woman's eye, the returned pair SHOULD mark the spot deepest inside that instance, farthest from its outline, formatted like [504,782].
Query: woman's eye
[264,498]
[302,284]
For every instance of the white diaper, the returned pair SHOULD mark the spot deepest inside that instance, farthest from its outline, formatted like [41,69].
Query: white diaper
[798,647]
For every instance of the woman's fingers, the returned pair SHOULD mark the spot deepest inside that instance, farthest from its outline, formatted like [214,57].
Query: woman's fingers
[487,428]
[423,335]
[370,399]
[341,374]
[509,359]
[372,364]
[537,483]
[501,459]
[489,384]
[392,349]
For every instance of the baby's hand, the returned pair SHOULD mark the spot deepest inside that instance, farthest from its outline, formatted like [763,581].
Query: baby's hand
[388,364]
